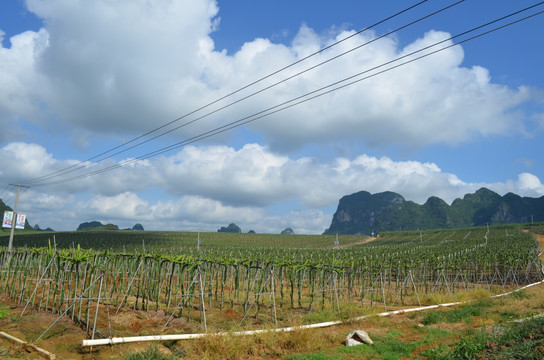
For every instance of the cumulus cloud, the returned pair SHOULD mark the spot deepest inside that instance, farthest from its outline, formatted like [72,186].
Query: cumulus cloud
[526,184]
[20,83]
[203,188]
[130,66]
[21,161]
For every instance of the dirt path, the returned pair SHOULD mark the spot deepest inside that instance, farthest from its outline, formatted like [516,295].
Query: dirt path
[540,239]
[363,241]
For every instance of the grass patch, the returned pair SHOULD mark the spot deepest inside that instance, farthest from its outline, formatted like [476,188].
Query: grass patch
[385,347]
[436,298]
[151,352]
[509,315]
[463,313]
[265,345]
[520,295]
[312,356]
[4,313]
[393,345]
[348,311]
[515,341]
[320,316]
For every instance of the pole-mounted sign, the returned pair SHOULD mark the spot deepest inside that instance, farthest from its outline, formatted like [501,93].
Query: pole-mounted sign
[20,220]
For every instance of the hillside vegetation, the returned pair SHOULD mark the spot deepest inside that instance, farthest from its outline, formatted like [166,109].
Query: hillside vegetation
[364,213]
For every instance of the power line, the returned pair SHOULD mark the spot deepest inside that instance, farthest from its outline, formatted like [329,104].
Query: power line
[316,93]
[4,192]
[11,201]
[84,163]
[294,102]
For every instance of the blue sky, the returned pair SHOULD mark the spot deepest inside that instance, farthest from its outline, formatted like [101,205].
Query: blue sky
[80,78]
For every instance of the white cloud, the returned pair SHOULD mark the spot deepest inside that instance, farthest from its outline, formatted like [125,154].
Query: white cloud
[123,206]
[127,66]
[21,85]
[434,100]
[529,185]
[204,188]
[25,161]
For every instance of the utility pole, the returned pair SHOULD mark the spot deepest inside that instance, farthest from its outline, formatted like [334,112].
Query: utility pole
[14,217]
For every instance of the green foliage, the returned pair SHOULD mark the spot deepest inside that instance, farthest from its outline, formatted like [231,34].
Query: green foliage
[536,227]
[515,341]
[388,347]
[361,207]
[365,213]
[469,347]
[138,227]
[520,295]
[231,228]
[166,240]
[4,313]
[437,353]
[287,231]
[96,226]
[462,313]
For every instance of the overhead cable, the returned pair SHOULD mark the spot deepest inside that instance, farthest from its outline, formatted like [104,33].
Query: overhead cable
[335,86]
[89,161]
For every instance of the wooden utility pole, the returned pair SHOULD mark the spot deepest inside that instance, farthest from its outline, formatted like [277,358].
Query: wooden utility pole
[14,217]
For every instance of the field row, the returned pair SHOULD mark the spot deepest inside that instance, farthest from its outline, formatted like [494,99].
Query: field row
[255,282]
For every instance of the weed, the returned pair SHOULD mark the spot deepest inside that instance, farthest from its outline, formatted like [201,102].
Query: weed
[532,329]
[437,353]
[508,315]
[175,348]
[210,346]
[473,294]
[320,316]
[462,313]
[468,295]
[515,341]
[390,346]
[520,295]
[4,313]
[435,298]
[434,317]
[393,334]
[469,347]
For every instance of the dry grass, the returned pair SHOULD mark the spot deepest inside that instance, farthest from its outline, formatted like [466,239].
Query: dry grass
[262,345]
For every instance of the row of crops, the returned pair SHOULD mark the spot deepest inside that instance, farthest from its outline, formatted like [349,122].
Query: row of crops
[169,241]
[178,277]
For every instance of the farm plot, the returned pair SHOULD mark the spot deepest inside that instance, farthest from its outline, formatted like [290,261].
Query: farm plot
[259,284]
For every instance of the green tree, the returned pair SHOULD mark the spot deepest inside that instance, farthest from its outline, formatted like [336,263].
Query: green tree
[232,228]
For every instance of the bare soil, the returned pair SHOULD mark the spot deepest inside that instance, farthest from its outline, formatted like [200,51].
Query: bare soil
[360,242]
